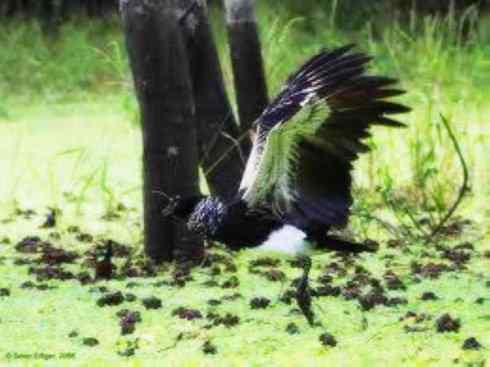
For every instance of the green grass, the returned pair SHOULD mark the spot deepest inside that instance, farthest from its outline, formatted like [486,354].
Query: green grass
[69,140]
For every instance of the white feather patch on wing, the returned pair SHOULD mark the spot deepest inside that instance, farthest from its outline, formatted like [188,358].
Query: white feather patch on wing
[287,239]
[271,168]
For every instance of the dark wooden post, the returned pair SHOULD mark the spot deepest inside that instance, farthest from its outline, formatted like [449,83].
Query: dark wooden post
[246,57]
[27,8]
[221,149]
[70,8]
[159,64]
[91,8]
[48,17]
[107,7]
[12,8]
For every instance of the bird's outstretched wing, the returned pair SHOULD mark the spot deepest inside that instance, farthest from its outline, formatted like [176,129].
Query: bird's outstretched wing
[308,137]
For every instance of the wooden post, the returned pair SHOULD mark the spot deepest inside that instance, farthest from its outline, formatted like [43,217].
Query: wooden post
[91,8]
[48,17]
[27,8]
[12,8]
[70,8]
[159,64]
[221,149]
[246,57]
[107,7]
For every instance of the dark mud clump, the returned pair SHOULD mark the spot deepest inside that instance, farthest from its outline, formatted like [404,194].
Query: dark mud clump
[372,299]
[480,300]
[429,296]
[73,334]
[130,297]
[135,315]
[128,320]
[327,291]
[351,292]
[4,292]
[29,245]
[209,348]
[73,229]
[214,302]
[292,328]
[458,257]
[130,348]
[259,303]
[325,279]
[396,301]
[471,344]
[430,270]
[231,268]
[128,270]
[23,261]
[54,256]
[152,303]
[328,340]
[393,282]
[84,237]
[229,320]
[187,313]
[111,299]
[84,278]
[5,241]
[181,274]
[90,342]
[274,275]
[446,323]
[232,282]
[51,272]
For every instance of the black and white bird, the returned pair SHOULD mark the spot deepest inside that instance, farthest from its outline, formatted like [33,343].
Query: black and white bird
[297,181]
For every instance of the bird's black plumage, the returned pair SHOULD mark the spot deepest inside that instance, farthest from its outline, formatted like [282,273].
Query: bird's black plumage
[299,170]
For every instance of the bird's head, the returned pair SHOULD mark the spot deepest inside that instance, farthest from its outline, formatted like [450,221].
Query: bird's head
[181,208]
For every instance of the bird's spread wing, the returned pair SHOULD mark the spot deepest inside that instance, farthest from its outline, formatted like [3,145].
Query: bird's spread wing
[308,137]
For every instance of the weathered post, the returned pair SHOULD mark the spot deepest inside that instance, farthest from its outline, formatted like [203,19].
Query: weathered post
[12,8]
[246,57]
[160,69]
[48,17]
[221,148]
[70,8]
[27,8]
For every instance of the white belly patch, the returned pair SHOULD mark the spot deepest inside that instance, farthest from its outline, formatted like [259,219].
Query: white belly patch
[287,239]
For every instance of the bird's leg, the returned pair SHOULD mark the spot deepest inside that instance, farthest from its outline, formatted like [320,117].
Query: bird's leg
[303,291]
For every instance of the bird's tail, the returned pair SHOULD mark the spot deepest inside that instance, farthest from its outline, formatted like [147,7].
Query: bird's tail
[338,244]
